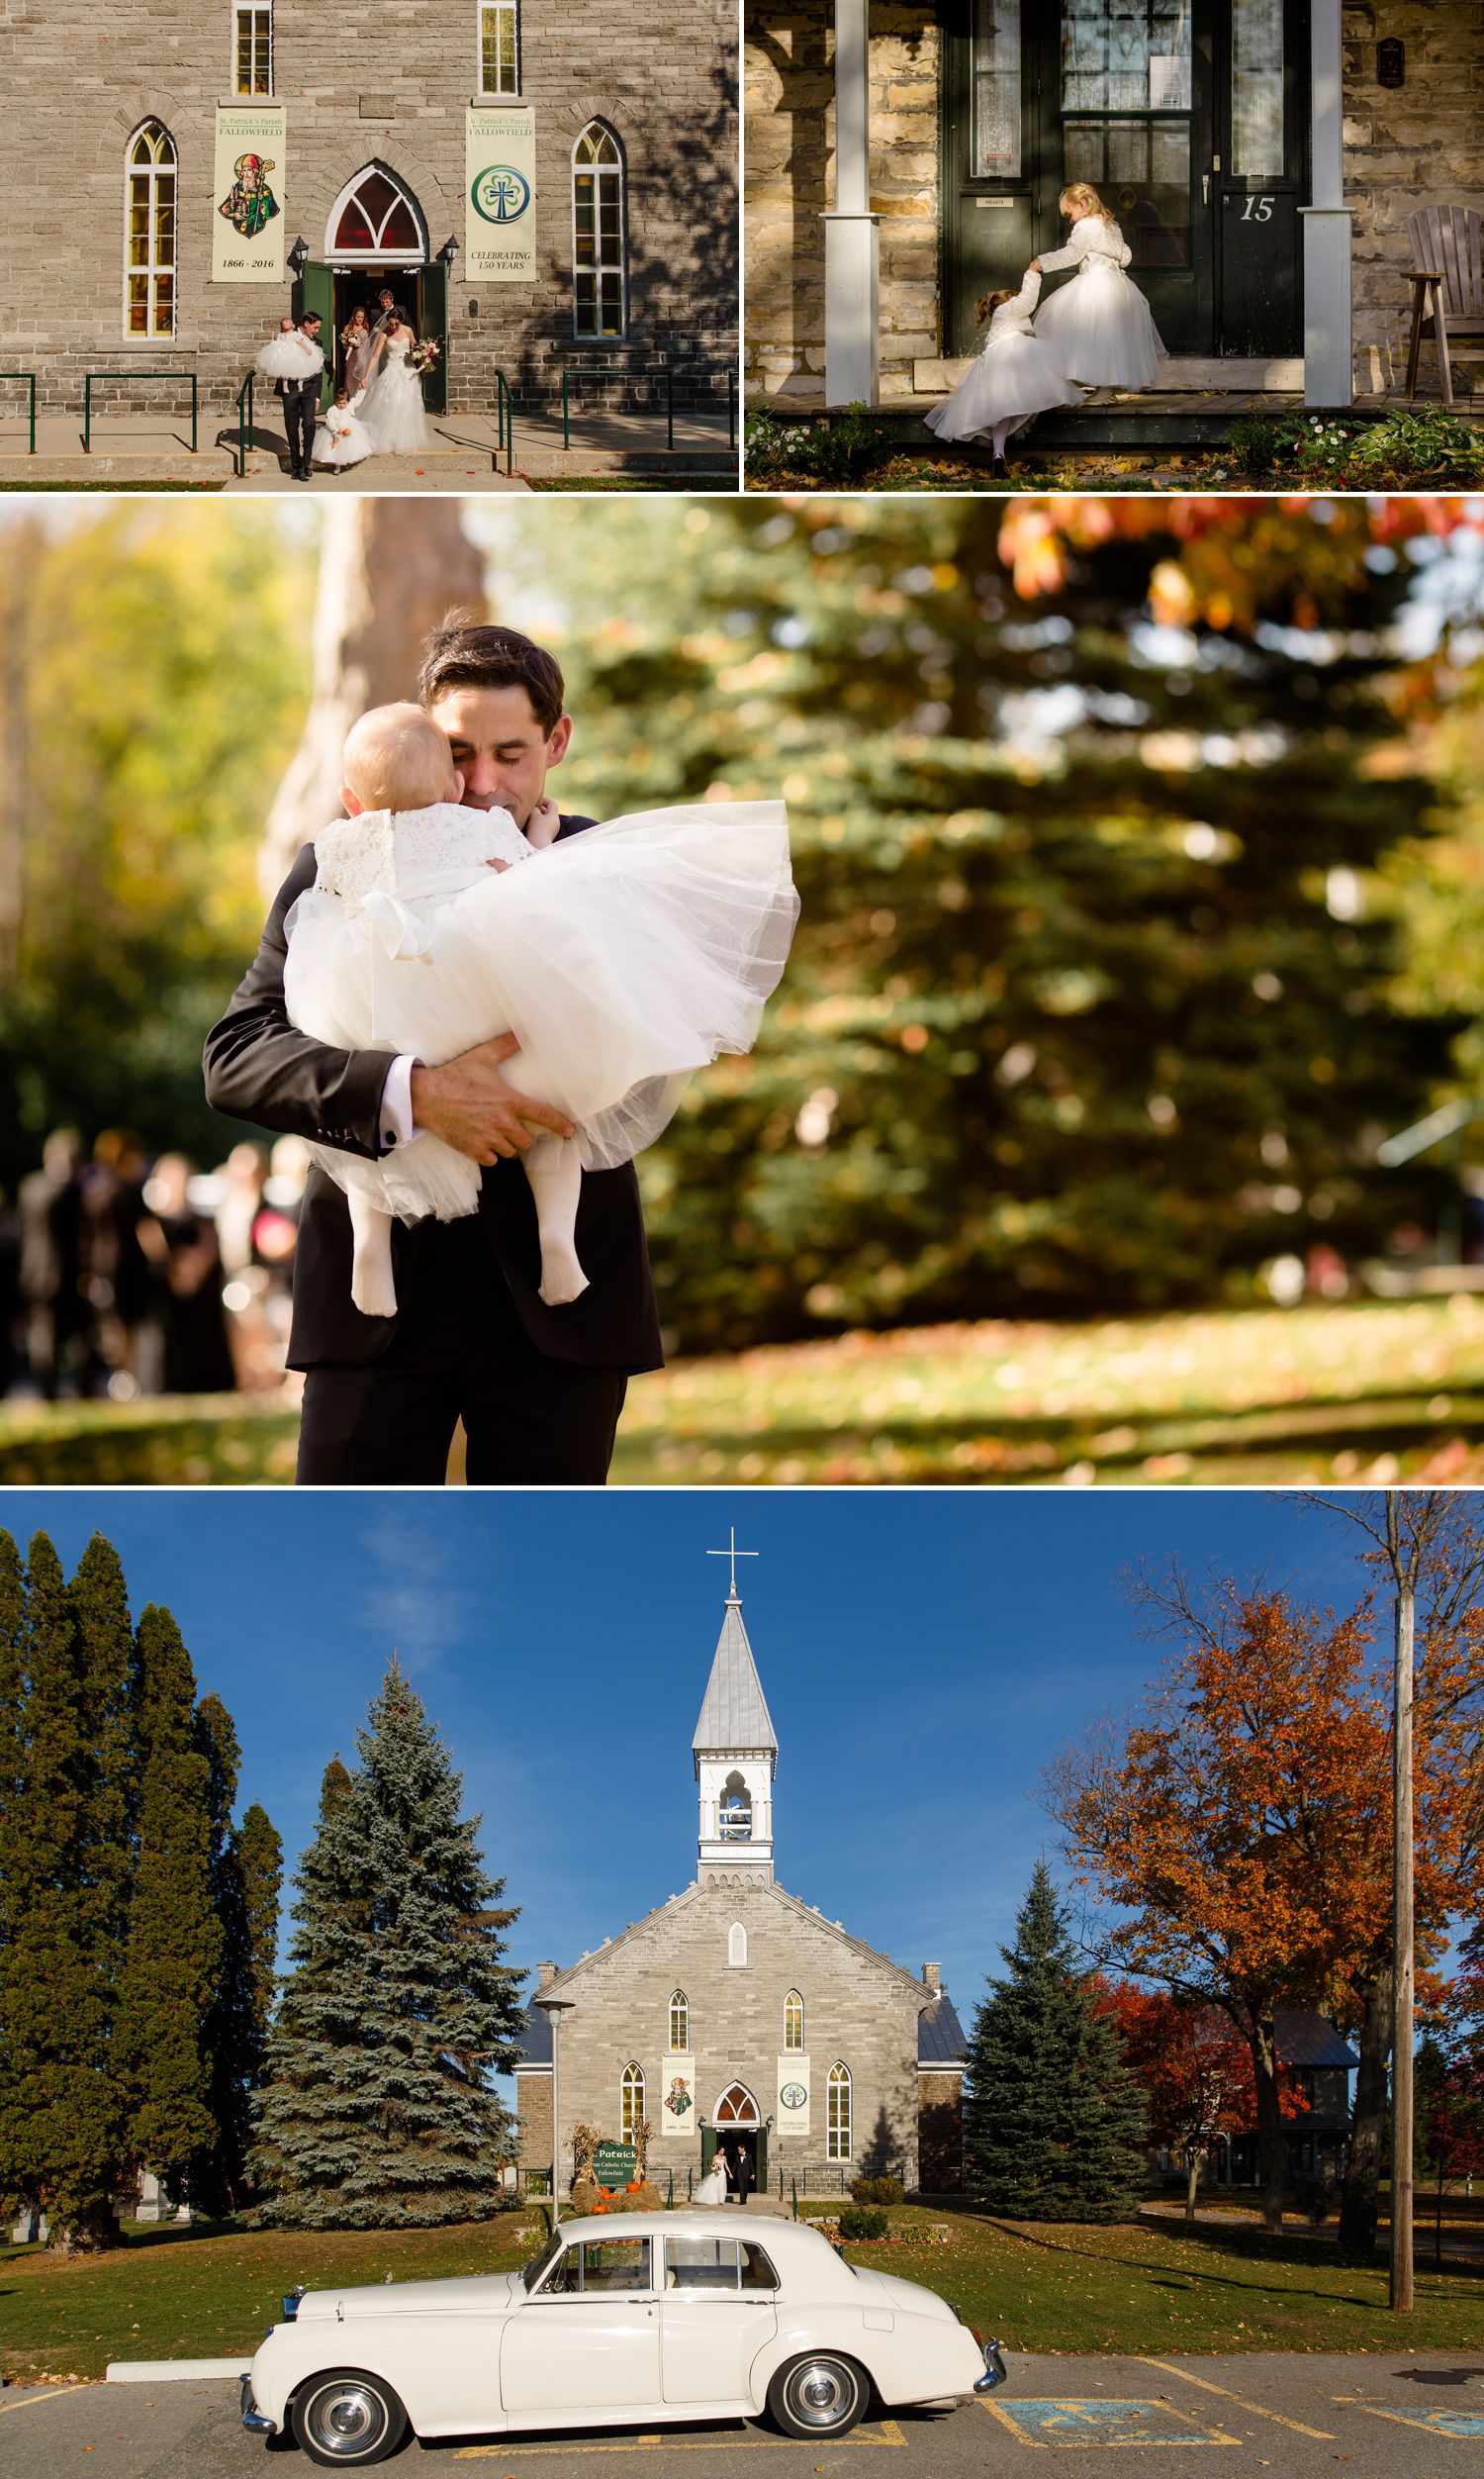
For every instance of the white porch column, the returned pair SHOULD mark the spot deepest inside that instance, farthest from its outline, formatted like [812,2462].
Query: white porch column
[1329,366]
[852,258]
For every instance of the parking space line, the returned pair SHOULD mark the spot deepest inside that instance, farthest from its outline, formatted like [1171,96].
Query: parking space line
[1321,2435]
[1435,2427]
[1106,2407]
[59,2395]
[887,2433]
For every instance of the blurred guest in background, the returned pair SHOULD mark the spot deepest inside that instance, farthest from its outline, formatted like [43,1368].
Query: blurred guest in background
[51,1261]
[181,1245]
[116,1270]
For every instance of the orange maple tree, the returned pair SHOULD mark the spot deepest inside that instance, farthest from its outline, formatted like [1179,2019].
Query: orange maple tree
[1244,1828]
[1196,2069]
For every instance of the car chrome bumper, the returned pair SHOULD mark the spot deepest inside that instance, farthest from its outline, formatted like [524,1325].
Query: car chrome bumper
[252,2418]
[994,2369]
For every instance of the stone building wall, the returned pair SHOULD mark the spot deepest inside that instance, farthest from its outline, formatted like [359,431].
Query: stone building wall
[856,2007]
[1418,145]
[365,82]
[789,182]
[940,2119]
[533,2108]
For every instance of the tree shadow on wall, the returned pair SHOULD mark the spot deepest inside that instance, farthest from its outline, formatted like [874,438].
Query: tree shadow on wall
[681,239]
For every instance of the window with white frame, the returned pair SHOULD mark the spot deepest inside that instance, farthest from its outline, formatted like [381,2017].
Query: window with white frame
[600,271]
[499,47]
[680,2020]
[837,2114]
[252,46]
[631,2102]
[793,2020]
[736,1943]
[150,231]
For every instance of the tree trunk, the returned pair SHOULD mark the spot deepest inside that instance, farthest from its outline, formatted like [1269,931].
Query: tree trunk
[1359,2207]
[1273,2139]
[388,571]
[16,650]
[1194,2155]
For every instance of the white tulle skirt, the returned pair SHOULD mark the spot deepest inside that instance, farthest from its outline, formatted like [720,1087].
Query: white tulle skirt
[351,446]
[392,410]
[622,959]
[284,357]
[1100,330]
[1016,377]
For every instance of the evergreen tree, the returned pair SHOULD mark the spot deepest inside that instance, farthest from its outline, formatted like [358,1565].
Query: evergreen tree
[172,1972]
[377,2112]
[66,1687]
[1088,1009]
[1053,2118]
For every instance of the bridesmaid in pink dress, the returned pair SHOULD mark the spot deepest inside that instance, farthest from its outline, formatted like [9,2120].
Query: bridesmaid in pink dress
[355,338]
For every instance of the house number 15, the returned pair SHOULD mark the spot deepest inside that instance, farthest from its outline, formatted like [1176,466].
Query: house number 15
[1258,211]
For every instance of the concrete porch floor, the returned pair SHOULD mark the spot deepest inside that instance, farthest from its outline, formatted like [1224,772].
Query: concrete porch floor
[461,451]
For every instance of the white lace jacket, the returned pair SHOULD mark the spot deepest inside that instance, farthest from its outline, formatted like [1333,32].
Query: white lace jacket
[1017,312]
[380,852]
[1090,238]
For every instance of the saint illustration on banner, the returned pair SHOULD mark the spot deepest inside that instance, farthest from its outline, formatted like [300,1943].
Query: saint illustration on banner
[677,2108]
[248,237]
[500,194]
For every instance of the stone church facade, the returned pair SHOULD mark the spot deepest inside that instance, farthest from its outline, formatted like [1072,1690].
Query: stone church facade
[109,198]
[1263,157]
[736,2012]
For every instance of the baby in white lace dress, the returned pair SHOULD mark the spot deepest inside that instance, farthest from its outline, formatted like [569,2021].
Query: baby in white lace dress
[636,952]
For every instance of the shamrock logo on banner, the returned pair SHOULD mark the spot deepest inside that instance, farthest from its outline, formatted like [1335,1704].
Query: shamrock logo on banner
[499,193]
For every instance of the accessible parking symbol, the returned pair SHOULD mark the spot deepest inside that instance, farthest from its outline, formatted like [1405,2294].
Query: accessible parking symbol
[1072,2424]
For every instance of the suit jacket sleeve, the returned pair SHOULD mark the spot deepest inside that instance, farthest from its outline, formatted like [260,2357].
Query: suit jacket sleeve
[259,1067]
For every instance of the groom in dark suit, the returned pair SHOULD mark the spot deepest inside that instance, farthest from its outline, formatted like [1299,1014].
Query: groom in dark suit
[540,1390]
[301,404]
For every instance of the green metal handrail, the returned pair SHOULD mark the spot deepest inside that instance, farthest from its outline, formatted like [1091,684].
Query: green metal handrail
[244,421]
[586,370]
[126,378]
[617,370]
[30,377]
[504,420]
[731,405]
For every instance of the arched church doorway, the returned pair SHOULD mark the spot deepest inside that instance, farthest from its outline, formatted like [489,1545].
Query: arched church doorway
[376,240]
[737,2128]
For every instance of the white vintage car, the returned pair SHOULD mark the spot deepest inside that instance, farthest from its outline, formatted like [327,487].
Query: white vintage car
[632,2318]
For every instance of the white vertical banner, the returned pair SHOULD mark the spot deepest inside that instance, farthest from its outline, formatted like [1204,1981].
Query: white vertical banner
[678,2095]
[500,194]
[247,223]
[792,2093]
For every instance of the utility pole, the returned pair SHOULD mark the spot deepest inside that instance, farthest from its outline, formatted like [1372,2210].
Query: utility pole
[1402,2294]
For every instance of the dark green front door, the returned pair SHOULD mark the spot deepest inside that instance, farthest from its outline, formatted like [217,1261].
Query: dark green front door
[434,322]
[1189,116]
[707,2149]
[316,290]
[762,2160]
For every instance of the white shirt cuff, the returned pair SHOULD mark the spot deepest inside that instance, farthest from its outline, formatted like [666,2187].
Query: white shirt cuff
[398,1127]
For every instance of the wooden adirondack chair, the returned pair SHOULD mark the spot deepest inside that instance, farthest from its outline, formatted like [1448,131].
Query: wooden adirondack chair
[1447,302]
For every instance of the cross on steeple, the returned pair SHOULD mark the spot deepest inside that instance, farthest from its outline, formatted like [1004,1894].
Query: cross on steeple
[733,1553]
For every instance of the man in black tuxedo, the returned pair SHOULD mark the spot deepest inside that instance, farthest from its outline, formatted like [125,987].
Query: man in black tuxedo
[300,403]
[540,1390]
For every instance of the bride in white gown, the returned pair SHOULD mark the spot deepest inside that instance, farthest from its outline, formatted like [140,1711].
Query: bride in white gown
[392,407]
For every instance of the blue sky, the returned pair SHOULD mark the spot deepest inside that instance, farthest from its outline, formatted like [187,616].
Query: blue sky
[924,1653]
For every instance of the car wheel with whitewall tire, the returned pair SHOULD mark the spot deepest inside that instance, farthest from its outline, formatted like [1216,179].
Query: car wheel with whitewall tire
[817,2396]
[347,2420]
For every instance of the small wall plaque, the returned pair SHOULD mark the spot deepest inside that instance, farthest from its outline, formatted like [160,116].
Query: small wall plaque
[1391,61]
[378,107]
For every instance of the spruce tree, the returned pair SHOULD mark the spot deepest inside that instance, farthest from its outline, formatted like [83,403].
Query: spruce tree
[1053,2119]
[377,2113]
[66,1687]
[174,1960]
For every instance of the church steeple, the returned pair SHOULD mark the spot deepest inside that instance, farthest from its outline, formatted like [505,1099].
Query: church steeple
[735,1752]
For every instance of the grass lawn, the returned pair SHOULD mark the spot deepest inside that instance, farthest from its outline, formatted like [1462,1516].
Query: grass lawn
[165,2294]
[1368,1391]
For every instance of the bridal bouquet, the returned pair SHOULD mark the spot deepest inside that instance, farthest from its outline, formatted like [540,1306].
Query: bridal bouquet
[422,356]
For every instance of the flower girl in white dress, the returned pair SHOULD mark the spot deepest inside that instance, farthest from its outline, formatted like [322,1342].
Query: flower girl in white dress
[340,439]
[1099,327]
[622,958]
[392,408]
[1016,377]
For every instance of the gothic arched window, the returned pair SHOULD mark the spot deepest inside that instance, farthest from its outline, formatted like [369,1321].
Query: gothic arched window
[376,219]
[736,1810]
[600,243]
[150,231]
[794,2037]
[736,1943]
[837,2115]
[631,2103]
[680,2020]
[736,2107]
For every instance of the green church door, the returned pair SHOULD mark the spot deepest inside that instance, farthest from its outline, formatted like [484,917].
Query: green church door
[316,290]
[432,321]
[761,2161]
[707,2149]
[1189,116]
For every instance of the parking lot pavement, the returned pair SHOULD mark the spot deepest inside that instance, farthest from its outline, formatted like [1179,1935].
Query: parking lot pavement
[1422,2413]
